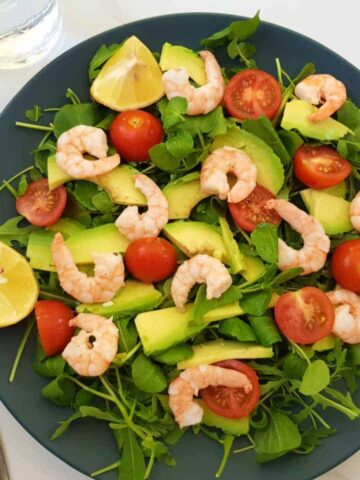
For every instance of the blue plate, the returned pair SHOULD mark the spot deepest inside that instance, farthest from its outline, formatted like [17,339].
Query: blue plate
[88,445]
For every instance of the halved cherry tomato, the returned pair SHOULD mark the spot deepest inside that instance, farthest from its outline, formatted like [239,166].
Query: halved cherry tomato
[320,167]
[345,265]
[52,318]
[251,211]
[252,93]
[134,132]
[150,259]
[39,205]
[305,316]
[233,402]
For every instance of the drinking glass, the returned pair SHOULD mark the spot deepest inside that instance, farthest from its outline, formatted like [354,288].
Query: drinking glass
[28,30]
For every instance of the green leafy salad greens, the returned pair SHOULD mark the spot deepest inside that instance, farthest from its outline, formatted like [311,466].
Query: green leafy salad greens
[298,384]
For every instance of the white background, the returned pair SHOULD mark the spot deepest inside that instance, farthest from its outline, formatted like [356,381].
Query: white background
[333,23]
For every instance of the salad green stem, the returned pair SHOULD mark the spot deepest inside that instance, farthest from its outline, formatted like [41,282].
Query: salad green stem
[47,295]
[202,141]
[21,348]
[10,188]
[52,109]
[88,389]
[150,463]
[228,443]
[300,351]
[32,126]
[10,180]
[109,468]
[245,449]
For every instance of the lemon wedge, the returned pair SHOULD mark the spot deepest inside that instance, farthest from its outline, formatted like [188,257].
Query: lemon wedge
[130,79]
[18,287]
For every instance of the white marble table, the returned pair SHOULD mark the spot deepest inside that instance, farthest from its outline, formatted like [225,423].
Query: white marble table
[332,23]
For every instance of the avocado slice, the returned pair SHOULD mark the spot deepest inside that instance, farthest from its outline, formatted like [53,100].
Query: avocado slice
[338,190]
[161,329]
[236,257]
[296,116]
[119,182]
[56,176]
[326,343]
[254,268]
[233,426]
[218,350]
[66,226]
[196,237]
[176,56]
[182,195]
[134,297]
[332,212]
[103,239]
[270,172]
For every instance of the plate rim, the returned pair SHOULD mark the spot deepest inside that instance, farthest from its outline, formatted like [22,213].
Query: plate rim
[142,21]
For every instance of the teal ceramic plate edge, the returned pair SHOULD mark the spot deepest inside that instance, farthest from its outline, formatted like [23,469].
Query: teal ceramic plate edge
[88,445]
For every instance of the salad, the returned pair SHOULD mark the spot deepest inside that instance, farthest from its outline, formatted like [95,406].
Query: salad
[191,262]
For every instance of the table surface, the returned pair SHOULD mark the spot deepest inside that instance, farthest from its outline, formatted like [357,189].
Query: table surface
[83,18]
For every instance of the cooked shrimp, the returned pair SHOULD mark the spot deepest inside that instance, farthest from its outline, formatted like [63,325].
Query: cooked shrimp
[355,212]
[201,100]
[134,225]
[200,269]
[91,351]
[108,278]
[213,176]
[183,388]
[316,88]
[313,255]
[347,315]
[73,143]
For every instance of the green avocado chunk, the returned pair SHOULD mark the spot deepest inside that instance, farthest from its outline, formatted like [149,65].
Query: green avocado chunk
[119,182]
[326,343]
[176,56]
[134,297]
[103,239]
[233,426]
[270,172]
[182,196]
[331,211]
[296,116]
[161,329]
[196,237]
[338,190]
[66,226]
[218,350]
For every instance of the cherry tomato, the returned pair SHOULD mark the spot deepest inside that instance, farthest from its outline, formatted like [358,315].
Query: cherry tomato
[134,132]
[252,93]
[52,318]
[345,265]
[251,211]
[305,316]
[233,402]
[39,205]
[320,167]
[150,259]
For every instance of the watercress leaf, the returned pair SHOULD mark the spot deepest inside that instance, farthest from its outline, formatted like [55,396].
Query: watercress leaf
[147,375]
[76,114]
[264,129]
[84,192]
[236,258]
[315,379]
[291,141]
[256,303]
[161,157]
[180,144]
[294,366]
[64,425]
[23,184]
[100,57]
[105,123]
[49,367]
[236,328]
[243,29]
[103,202]
[280,436]
[127,334]
[265,330]
[174,355]
[202,305]
[284,277]
[76,211]
[355,354]
[349,115]
[173,111]
[34,114]
[99,414]
[83,397]
[11,232]
[217,39]
[60,391]
[175,435]
[308,69]
[132,464]
[312,438]
[213,124]
[265,239]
